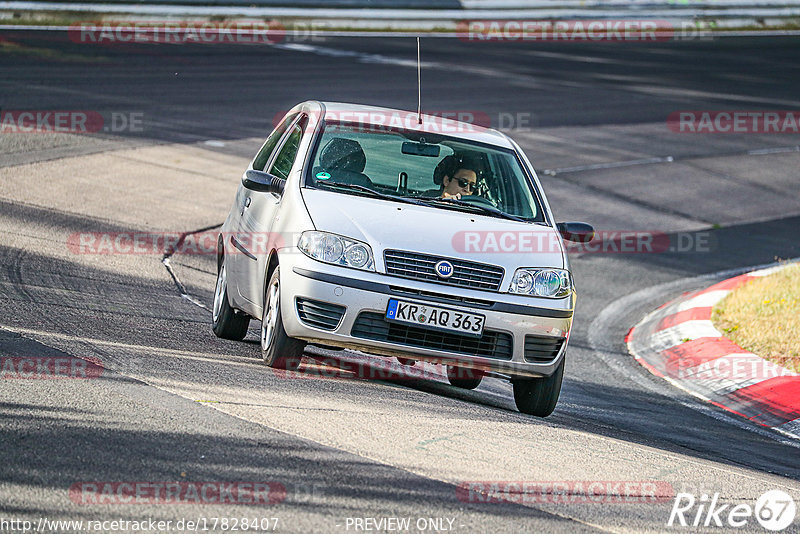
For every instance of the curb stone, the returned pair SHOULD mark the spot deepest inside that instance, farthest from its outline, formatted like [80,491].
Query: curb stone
[679,343]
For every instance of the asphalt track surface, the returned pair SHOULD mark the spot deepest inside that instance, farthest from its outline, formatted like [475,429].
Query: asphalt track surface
[371,448]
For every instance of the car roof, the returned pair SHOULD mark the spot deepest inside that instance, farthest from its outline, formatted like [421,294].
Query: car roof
[374,115]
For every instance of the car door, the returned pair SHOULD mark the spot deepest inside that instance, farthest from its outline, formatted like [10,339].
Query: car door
[238,243]
[259,215]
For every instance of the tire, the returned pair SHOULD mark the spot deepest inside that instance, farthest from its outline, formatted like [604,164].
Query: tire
[278,349]
[538,396]
[225,322]
[463,377]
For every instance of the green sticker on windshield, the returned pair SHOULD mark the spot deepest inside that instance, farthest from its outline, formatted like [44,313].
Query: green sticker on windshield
[323,176]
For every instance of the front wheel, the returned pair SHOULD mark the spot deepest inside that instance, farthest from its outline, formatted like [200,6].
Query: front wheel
[225,322]
[538,396]
[277,348]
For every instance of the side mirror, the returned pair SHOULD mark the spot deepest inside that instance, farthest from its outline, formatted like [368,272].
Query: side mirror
[263,181]
[579,232]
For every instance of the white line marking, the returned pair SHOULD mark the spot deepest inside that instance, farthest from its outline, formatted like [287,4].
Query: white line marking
[767,272]
[792,427]
[684,93]
[704,299]
[681,333]
[610,165]
[779,150]
[177,353]
[360,56]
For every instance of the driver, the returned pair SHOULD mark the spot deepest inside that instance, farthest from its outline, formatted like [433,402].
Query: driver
[460,176]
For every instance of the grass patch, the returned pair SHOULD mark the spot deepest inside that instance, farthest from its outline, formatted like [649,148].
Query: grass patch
[763,316]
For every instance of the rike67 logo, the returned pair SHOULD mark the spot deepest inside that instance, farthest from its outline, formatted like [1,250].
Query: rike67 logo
[774,510]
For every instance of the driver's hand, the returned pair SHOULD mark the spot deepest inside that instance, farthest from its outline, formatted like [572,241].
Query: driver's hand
[457,196]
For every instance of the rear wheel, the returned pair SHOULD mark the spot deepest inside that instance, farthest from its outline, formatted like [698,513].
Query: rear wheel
[225,322]
[538,396]
[462,377]
[277,348]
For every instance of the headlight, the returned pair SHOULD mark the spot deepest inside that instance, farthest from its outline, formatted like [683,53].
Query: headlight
[338,250]
[551,283]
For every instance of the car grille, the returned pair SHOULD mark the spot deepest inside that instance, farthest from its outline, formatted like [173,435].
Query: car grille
[542,349]
[317,314]
[371,325]
[440,296]
[468,274]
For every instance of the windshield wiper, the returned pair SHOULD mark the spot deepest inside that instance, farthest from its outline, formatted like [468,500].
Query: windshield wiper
[484,209]
[420,201]
[371,192]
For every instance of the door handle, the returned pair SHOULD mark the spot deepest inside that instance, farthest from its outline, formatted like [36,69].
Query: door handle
[246,204]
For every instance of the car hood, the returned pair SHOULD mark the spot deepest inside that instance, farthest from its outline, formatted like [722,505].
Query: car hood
[438,231]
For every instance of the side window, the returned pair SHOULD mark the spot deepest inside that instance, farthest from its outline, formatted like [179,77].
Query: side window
[285,158]
[272,141]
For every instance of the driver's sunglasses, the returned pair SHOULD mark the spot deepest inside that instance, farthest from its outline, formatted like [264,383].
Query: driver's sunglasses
[466,183]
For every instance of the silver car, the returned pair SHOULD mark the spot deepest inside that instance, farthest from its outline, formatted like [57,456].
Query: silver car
[401,235]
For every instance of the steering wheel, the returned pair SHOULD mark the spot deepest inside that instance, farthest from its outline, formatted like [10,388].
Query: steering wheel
[477,199]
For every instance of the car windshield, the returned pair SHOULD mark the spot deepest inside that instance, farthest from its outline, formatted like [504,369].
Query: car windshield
[420,167]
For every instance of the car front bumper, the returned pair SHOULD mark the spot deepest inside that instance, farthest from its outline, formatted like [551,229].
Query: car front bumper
[363,298]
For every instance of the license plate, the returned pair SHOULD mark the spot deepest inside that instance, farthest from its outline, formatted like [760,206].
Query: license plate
[435,317]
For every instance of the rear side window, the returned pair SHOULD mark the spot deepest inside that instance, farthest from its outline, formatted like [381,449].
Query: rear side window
[272,141]
[288,152]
